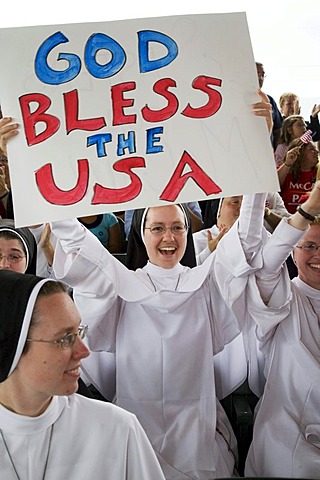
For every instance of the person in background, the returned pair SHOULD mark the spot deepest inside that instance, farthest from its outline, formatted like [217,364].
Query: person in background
[224,212]
[18,248]
[46,429]
[293,127]
[276,115]
[297,173]
[106,228]
[290,105]
[275,210]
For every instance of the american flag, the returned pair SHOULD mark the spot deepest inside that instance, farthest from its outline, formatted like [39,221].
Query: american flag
[306,137]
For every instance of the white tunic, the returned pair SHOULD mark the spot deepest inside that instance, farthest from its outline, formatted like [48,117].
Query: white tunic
[90,439]
[164,326]
[286,439]
[230,364]
[286,435]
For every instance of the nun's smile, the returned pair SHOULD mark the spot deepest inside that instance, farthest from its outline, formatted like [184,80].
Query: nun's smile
[167,250]
[165,235]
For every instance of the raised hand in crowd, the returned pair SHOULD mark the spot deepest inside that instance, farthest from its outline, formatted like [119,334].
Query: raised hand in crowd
[7,130]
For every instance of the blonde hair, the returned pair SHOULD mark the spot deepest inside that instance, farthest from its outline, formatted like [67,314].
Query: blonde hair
[287,96]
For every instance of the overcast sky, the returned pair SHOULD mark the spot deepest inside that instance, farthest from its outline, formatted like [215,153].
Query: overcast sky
[285,34]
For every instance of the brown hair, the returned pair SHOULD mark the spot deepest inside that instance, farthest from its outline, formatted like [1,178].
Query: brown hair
[286,128]
[295,169]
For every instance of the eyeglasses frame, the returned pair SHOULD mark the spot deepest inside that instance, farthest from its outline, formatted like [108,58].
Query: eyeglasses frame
[315,247]
[185,229]
[82,332]
[2,256]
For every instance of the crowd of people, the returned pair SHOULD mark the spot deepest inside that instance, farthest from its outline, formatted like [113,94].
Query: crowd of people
[205,301]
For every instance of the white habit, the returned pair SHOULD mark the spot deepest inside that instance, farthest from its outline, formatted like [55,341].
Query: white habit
[286,439]
[165,326]
[90,439]
[286,436]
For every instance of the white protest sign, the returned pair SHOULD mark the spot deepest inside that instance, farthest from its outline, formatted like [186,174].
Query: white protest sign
[120,115]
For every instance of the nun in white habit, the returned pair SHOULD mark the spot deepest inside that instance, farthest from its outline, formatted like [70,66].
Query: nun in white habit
[164,322]
[48,432]
[286,435]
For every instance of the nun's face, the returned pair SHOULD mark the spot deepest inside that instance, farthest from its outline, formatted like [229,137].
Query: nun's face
[165,249]
[46,369]
[307,258]
[229,211]
[12,256]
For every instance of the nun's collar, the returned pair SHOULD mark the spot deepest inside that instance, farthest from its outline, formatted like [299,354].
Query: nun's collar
[306,289]
[164,272]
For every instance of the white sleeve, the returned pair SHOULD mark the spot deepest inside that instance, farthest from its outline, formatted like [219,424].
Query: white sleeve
[278,247]
[203,255]
[251,231]
[276,204]
[239,252]
[69,233]
[274,255]
[82,262]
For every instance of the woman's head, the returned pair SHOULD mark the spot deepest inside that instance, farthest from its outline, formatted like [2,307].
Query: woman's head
[307,257]
[229,210]
[142,241]
[164,231]
[36,317]
[292,127]
[18,250]
[307,158]
[289,104]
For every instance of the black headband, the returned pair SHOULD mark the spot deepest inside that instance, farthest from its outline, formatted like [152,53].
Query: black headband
[29,243]
[18,293]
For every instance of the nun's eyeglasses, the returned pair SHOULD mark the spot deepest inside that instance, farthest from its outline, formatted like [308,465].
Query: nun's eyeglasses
[309,247]
[177,229]
[68,340]
[12,257]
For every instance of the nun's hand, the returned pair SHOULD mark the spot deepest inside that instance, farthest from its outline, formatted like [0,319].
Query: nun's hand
[213,241]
